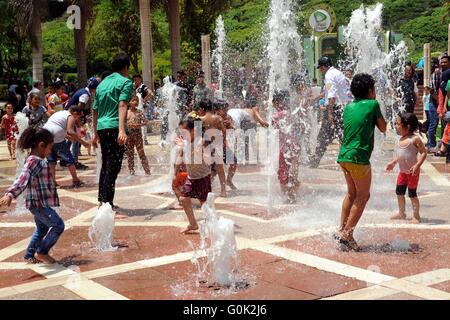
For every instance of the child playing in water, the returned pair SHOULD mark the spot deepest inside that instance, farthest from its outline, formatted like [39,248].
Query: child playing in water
[198,167]
[180,173]
[41,196]
[407,148]
[135,121]
[9,127]
[360,118]
[288,158]
[221,109]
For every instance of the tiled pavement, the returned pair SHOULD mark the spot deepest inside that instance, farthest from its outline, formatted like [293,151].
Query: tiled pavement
[287,254]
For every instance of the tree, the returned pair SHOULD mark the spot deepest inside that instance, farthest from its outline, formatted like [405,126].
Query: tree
[29,16]
[146,43]
[86,7]
[117,28]
[173,16]
[199,18]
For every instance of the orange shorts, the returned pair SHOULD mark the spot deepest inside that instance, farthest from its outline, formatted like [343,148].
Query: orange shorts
[180,180]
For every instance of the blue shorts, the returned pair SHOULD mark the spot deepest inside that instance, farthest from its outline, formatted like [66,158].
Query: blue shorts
[61,150]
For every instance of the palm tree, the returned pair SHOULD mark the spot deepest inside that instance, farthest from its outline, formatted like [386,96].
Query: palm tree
[146,43]
[86,7]
[29,15]
[173,16]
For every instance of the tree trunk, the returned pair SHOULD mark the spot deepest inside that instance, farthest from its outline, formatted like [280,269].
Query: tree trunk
[146,43]
[173,16]
[80,46]
[36,43]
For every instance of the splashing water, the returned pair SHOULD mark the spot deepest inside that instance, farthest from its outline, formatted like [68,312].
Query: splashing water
[218,54]
[284,52]
[21,157]
[218,241]
[101,232]
[365,53]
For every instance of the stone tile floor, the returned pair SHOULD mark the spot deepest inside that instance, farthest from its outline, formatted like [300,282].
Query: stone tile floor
[286,254]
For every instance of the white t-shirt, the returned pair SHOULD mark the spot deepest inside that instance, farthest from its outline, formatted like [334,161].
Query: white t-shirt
[336,86]
[57,125]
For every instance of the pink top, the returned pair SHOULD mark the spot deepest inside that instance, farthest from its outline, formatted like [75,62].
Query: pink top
[407,156]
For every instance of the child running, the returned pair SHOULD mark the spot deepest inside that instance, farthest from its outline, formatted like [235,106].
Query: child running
[407,148]
[41,195]
[9,127]
[135,121]
[198,166]
[360,118]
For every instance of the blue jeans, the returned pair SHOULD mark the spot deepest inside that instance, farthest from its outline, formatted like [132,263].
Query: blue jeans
[75,150]
[433,119]
[42,239]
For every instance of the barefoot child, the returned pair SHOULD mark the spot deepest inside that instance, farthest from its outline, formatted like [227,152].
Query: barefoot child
[9,127]
[135,121]
[360,118]
[198,182]
[221,109]
[214,122]
[37,181]
[180,173]
[407,148]
[288,157]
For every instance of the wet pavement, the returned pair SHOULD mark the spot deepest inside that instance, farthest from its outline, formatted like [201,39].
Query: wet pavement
[285,254]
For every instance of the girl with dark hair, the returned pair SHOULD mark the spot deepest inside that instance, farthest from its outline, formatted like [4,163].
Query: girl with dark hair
[41,196]
[407,148]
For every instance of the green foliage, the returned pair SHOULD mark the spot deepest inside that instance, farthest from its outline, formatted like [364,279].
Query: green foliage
[59,48]
[428,29]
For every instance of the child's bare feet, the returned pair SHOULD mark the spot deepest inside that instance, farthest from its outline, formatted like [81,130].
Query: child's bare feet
[415,220]
[189,229]
[399,216]
[45,258]
[223,194]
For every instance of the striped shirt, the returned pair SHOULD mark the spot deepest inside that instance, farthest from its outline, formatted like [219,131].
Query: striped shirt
[37,179]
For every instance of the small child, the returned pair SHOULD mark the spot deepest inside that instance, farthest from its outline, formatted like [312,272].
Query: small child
[180,173]
[135,121]
[407,148]
[288,158]
[9,127]
[198,167]
[35,112]
[55,102]
[41,195]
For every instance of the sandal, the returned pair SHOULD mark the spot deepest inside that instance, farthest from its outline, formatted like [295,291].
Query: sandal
[32,260]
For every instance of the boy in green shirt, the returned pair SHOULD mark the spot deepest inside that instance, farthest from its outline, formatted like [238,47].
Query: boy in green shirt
[360,118]
[109,121]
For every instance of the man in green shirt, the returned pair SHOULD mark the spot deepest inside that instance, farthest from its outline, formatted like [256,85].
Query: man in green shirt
[360,118]
[109,121]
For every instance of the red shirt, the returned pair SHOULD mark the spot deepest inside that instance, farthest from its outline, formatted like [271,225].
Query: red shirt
[10,126]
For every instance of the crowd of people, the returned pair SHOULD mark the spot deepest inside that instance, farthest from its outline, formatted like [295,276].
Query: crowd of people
[113,111]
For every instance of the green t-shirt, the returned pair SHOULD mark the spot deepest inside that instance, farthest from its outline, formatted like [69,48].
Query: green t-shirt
[110,92]
[360,118]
